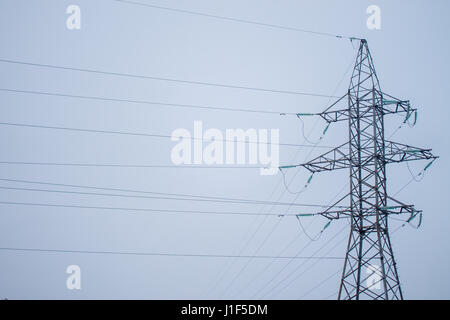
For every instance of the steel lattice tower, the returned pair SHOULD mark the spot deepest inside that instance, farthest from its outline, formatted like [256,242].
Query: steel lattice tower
[366,155]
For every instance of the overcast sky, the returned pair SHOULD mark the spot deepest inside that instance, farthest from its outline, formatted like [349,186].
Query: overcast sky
[410,53]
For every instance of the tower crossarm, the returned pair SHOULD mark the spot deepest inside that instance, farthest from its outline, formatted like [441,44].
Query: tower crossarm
[335,211]
[338,158]
[334,159]
[389,105]
[398,152]
[393,105]
[397,208]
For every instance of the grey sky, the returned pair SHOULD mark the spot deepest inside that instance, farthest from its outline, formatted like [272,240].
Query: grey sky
[410,54]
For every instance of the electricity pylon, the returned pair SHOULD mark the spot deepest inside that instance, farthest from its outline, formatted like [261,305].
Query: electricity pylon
[366,154]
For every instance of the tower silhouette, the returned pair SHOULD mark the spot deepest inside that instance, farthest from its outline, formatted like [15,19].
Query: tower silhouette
[370,270]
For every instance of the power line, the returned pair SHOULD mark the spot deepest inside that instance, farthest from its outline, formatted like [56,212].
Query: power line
[133,2]
[329,101]
[334,294]
[146,102]
[321,283]
[232,19]
[116,165]
[161,254]
[263,221]
[138,76]
[139,134]
[268,235]
[250,259]
[222,274]
[285,249]
[328,278]
[405,185]
[299,266]
[298,276]
[187,197]
[276,225]
[250,239]
[313,264]
[256,276]
[288,263]
[315,145]
[131,196]
[174,211]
